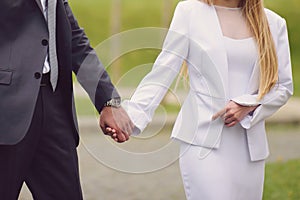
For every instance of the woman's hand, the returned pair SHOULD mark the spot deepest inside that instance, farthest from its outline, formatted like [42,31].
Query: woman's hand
[113,133]
[233,113]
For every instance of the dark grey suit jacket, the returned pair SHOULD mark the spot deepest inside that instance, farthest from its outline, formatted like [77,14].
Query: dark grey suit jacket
[23,48]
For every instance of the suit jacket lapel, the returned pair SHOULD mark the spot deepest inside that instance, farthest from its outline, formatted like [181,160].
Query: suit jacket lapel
[219,55]
[213,42]
[253,84]
[40,5]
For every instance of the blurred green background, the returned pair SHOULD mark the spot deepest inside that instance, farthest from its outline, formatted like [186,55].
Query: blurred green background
[96,17]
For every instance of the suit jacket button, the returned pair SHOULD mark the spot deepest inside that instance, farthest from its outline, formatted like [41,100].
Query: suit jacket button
[37,75]
[45,42]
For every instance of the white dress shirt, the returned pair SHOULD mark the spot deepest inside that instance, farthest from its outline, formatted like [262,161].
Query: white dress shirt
[46,67]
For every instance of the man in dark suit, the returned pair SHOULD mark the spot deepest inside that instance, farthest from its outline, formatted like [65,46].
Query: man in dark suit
[41,45]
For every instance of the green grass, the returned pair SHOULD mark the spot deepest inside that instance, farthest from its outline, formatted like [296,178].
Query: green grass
[282,181]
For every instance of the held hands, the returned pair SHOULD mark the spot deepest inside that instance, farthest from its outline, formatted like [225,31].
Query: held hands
[116,123]
[233,113]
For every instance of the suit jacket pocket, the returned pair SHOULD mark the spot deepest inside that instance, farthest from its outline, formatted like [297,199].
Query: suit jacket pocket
[5,77]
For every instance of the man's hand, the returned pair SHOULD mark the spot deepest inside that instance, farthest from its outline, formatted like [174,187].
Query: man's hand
[233,113]
[119,121]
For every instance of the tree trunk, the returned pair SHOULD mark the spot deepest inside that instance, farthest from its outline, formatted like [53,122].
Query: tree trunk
[167,12]
[115,27]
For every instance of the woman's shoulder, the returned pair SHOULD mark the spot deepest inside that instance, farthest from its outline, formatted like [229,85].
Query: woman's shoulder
[273,17]
[188,4]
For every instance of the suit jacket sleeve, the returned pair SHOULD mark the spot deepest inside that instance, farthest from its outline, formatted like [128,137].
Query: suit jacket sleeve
[88,69]
[154,86]
[281,92]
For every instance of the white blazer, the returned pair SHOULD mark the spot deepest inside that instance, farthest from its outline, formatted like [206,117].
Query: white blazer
[195,35]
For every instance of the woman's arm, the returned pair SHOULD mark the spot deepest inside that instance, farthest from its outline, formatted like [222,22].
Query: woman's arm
[154,86]
[278,95]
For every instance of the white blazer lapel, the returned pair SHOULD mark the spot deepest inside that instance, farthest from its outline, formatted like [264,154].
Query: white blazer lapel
[213,42]
[253,84]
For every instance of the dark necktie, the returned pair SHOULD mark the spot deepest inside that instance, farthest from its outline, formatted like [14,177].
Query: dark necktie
[51,15]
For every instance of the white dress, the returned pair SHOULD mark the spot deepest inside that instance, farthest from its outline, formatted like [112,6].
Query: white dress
[227,173]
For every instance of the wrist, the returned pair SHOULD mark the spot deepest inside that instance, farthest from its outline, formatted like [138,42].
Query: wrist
[114,102]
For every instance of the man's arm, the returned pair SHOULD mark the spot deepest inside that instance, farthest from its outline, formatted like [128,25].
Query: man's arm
[93,77]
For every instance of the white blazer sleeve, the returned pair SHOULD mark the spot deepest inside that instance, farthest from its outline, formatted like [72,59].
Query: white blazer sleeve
[281,92]
[153,87]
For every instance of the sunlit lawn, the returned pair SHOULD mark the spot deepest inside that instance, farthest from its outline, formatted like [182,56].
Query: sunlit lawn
[282,181]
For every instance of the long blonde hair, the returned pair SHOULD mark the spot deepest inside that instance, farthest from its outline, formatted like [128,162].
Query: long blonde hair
[256,18]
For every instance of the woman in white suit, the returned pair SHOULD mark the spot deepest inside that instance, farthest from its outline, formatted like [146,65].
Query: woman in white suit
[238,61]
